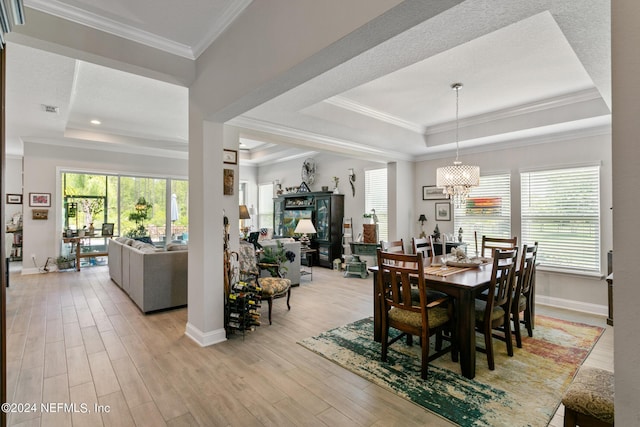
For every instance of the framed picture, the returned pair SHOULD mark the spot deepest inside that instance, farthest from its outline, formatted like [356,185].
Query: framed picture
[443,211]
[40,214]
[431,192]
[230,156]
[107,229]
[228,182]
[40,199]
[14,199]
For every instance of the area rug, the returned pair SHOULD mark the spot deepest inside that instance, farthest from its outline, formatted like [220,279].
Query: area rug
[524,390]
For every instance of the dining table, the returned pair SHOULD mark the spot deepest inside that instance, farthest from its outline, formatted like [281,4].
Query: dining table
[462,283]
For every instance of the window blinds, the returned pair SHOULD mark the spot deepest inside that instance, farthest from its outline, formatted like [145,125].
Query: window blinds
[375,197]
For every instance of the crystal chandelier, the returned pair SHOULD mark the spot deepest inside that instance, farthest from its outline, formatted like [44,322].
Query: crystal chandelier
[456,181]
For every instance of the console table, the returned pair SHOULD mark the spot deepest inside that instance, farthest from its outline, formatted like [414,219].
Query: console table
[76,245]
[308,253]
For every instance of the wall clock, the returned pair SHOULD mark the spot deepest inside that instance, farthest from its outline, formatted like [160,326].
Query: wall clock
[309,171]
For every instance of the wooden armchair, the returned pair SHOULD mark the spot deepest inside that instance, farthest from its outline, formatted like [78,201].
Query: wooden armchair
[524,294]
[424,247]
[396,247]
[491,243]
[272,287]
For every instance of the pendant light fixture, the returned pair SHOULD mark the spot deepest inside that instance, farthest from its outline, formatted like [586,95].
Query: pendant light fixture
[456,181]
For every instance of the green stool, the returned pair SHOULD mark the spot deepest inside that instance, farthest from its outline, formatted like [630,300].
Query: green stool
[588,402]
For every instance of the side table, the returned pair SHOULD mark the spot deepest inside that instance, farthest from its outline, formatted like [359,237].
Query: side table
[306,252]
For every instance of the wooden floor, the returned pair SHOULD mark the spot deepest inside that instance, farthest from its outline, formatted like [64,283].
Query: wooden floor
[75,337]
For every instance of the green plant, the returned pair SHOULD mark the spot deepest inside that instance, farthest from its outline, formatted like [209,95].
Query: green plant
[139,215]
[277,256]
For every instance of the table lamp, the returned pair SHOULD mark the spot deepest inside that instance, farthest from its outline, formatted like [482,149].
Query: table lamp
[244,214]
[305,226]
[422,220]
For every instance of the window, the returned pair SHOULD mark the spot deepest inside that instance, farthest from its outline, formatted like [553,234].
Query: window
[375,197]
[561,211]
[265,205]
[487,211]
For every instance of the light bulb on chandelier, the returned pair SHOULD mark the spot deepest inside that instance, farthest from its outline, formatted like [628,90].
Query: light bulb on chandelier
[457,180]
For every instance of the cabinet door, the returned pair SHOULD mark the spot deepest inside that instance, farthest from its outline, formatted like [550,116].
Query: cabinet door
[323,218]
[278,216]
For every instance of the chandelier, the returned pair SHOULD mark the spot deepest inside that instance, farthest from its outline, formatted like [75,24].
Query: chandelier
[456,181]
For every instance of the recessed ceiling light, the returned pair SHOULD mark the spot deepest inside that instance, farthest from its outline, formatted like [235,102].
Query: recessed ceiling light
[95,122]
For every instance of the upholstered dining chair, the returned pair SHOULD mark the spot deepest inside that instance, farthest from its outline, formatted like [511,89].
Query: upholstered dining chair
[491,243]
[523,295]
[396,247]
[495,311]
[424,318]
[272,287]
[423,246]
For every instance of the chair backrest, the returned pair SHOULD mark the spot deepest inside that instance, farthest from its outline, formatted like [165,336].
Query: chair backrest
[526,272]
[491,243]
[247,259]
[396,275]
[502,280]
[396,247]
[424,247]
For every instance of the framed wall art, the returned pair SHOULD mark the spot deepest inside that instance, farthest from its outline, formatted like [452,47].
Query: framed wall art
[431,192]
[14,199]
[443,211]
[230,156]
[228,182]
[40,200]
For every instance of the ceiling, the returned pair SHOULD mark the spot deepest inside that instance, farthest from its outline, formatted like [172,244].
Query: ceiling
[523,83]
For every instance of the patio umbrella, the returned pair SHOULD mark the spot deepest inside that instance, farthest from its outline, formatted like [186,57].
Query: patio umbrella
[174,207]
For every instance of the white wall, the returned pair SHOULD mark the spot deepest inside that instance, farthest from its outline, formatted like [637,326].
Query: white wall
[572,291]
[41,167]
[13,185]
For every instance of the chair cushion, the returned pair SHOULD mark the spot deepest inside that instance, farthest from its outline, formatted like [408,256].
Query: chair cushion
[591,393]
[437,316]
[481,306]
[272,286]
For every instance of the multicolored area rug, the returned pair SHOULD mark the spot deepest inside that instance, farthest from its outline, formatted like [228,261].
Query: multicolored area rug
[524,390]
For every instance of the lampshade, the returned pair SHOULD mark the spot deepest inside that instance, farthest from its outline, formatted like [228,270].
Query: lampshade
[305,226]
[422,218]
[244,212]
[457,180]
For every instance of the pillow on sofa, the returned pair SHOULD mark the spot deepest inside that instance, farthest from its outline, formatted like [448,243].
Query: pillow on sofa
[145,247]
[176,247]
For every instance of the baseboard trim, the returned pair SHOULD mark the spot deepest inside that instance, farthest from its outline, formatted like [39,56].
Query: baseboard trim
[600,310]
[204,339]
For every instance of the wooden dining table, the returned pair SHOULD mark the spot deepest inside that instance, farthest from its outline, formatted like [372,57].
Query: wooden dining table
[462,284]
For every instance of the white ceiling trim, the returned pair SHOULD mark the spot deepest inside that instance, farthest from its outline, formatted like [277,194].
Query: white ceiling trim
[348,104]
[82,17]
[227,18]
[591,94]
[327,143]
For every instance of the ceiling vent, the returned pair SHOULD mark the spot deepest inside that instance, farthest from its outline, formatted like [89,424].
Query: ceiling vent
[50,109]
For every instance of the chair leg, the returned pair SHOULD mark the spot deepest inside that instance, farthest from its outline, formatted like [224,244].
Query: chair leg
[516,328]
[570,419]
[425,354]
[384,340]
[488,343]
[507,333]
[288,297]
[270,302]
[528,321]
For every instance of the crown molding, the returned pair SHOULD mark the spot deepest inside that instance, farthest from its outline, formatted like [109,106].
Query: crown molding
[348,104]
[326,143]
[89,19]
[228,16]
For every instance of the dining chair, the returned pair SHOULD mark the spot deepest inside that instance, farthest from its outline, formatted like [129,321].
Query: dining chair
[494,312]
[396,247]
[250,270]
[523,295]
[424,247]
[491,243]
[411,316]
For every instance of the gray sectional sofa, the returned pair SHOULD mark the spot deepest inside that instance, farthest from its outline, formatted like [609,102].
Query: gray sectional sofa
[154,279]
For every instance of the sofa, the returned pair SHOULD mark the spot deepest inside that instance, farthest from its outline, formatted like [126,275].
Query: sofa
[155,279]
[293,268]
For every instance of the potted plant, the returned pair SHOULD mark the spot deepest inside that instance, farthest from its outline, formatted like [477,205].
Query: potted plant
[274,259]
[64,262]
[139,215]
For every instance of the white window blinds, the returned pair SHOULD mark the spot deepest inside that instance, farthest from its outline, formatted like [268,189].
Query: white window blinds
[375,197]
[265,205]
[486,212]
[561,211]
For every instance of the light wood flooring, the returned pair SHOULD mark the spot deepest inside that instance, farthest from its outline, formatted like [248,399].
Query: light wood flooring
[76,337]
